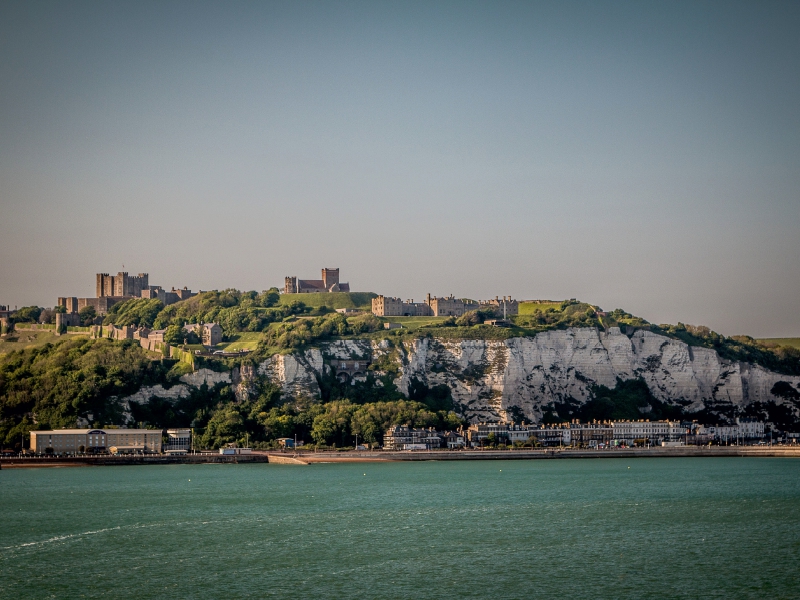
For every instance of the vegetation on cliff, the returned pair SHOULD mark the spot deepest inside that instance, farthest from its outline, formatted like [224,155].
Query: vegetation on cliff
[334,423]
[139,312]
[53,385]
[367,411]
[77,378]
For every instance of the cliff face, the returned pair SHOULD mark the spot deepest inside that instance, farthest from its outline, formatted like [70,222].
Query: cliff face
[526,375]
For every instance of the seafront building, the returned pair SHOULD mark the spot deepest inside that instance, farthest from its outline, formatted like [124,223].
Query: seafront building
[597,433]
[178,440]
[403,437]
[116,441]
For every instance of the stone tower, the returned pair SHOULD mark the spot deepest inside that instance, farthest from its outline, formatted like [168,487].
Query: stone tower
[330,277]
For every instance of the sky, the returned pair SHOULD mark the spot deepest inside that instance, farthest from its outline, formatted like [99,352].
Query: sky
[640,155]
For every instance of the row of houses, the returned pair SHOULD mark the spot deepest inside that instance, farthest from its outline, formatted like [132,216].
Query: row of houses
[595,433]
[403,437]
[574,433]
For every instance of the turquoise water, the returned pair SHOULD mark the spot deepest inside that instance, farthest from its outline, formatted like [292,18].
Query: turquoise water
[604,528]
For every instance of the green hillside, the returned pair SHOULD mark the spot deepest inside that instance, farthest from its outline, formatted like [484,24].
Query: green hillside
[414,323]
[21,340]
[331,300]
[790,342]
[528,308]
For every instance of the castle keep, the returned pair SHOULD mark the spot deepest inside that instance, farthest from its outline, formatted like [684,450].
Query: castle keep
[121,284]
[328,283]
[111,289]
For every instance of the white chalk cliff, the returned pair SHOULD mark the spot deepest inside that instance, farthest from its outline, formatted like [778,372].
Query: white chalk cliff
[490,377]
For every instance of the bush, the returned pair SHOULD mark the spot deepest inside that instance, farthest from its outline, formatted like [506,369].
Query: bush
[27,314]
[138,312]
[87,315]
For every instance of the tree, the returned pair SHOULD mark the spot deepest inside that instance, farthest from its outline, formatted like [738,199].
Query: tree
[136,311]
[269,298]
[174,335]
[225,427]
[87,315]
[47,316]
[27,314]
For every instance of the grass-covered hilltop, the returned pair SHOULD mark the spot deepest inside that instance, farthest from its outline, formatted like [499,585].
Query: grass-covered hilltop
[49,381]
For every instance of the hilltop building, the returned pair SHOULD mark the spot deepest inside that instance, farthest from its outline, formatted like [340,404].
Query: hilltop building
[387,306]
[111,289]
[121,284]
[158,293]
[209,333]
[450,306]
[329,283]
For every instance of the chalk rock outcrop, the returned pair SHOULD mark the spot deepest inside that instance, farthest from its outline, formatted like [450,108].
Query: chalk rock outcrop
[490,378]
[173,393]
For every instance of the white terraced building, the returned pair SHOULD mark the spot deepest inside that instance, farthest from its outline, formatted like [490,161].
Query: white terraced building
[655,431]
[73,441]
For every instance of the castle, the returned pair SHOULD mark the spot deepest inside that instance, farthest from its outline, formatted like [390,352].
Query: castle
[111,289]
[121,284]
[450,306]
[328,283]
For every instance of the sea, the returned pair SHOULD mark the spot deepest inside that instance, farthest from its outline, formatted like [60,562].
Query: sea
[573,528]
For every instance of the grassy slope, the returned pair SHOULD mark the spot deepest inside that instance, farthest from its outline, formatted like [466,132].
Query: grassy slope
[413,323]
[241,341]
[30,339]
[334,300]
[528,308]
[792,342]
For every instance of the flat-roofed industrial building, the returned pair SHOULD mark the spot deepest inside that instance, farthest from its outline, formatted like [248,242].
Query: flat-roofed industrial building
[72,441]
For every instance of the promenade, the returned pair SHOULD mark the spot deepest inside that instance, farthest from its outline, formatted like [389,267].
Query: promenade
[537,454]
[308,457]
[147,459]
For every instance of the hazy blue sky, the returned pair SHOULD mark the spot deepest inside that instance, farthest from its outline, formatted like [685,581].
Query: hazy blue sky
[640,155]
